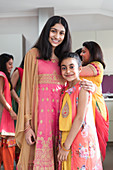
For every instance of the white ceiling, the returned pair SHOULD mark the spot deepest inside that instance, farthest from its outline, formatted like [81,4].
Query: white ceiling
[81,11]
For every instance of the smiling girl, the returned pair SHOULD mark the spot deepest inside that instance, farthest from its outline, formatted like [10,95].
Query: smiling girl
[79,147]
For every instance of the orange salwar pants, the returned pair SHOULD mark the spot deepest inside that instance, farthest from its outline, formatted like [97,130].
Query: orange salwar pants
[7,156]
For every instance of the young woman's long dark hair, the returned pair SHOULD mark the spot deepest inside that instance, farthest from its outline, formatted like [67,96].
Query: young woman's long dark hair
[4,58]
[43,45]
[22,63]
[95,52]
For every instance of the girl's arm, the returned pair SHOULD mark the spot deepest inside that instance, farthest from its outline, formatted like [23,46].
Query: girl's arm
[4,102]
[77,123]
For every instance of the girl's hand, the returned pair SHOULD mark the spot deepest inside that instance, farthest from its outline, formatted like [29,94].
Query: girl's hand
[88,85]
[62,155]
[30,137]
[13,114]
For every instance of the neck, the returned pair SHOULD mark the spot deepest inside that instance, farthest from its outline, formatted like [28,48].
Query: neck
[53,55]
[73,83]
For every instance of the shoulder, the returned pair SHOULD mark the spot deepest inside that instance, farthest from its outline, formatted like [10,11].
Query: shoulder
[96,66]
[84,93]
[15,72]
[33,52]
[2,74]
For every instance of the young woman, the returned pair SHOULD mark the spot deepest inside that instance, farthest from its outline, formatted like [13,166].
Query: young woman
[93,66]
[37,124]
[79,147]
[7,115]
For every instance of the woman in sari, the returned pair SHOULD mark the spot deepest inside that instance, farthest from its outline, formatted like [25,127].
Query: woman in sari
[16,80]
[7,115]
[93,65]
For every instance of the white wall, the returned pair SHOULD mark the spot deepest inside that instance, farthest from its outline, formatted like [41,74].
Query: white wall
[104,38]
[28,26]
[13,44]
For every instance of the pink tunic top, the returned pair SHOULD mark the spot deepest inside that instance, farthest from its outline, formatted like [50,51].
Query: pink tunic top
[50,85]
[6,122]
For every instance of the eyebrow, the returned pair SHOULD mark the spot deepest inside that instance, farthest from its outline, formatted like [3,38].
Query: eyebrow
[57,29]
[69,65]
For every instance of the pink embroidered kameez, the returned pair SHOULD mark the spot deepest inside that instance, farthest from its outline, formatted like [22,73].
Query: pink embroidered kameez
[49,90]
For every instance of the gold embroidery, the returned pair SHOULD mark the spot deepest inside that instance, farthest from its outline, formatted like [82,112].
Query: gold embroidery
[42,110]
[42,100]
[44,155]
[47,99]
[51,79]
[40,133]
[41,121]
[65,110]
[57,101]
[46,88]
[52,100]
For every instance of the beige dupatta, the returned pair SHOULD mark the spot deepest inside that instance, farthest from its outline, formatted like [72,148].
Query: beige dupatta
[28,101]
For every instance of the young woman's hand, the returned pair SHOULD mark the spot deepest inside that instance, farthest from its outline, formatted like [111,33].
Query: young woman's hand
[30,137]
[88,85]
[13,114]
[62,155]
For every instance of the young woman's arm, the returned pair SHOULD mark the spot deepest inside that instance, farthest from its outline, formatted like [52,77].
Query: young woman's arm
[14,80]
[82,104]
[4,102]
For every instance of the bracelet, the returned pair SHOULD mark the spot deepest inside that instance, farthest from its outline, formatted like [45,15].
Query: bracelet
[10,108]
[62,146]
[27,128]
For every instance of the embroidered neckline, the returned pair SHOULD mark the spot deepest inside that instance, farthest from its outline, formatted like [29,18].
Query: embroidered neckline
[70,90]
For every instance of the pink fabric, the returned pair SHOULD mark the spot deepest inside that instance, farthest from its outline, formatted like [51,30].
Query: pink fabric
[102,131]
[85,152]
[7,123]
[48,109]
[20,70]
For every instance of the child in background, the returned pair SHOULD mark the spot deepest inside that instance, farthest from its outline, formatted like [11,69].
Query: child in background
[78,138]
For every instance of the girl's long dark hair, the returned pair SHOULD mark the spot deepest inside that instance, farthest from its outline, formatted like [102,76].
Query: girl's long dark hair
[43,45]
[95,52]
[4,58]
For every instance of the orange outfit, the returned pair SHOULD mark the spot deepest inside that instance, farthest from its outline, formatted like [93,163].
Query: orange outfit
[7,131]
[85,152]
[7,153]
